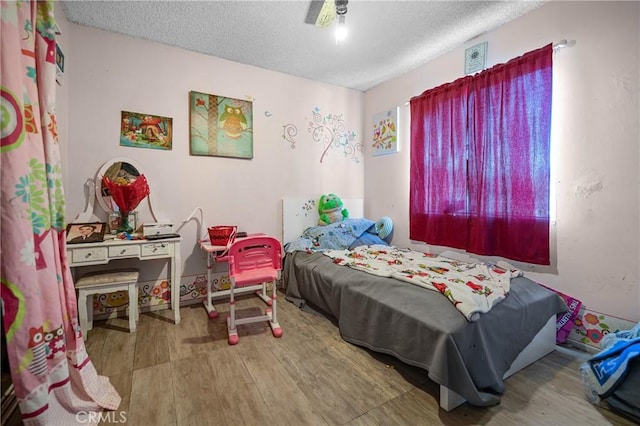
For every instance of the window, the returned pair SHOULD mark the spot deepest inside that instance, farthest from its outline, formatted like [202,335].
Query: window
[480,154]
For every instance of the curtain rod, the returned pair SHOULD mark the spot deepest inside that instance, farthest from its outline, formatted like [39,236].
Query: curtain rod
[562,44]
[556,46]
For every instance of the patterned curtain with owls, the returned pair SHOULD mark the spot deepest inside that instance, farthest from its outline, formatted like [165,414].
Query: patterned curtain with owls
[53,377]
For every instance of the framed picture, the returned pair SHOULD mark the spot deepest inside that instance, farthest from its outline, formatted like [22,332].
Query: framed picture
[385,132]
[220,126]
[475,58]
[59,64]
[86,232]
[146,131]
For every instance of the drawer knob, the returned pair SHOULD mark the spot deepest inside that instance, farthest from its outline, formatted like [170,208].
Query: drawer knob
[88,255]
[123,251]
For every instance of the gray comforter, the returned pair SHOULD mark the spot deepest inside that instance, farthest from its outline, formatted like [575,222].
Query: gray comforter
[420,326]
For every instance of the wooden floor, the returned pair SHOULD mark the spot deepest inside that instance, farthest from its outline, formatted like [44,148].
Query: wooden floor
[188,375]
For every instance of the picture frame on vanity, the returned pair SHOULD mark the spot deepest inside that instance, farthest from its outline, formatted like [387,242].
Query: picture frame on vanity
[78,233]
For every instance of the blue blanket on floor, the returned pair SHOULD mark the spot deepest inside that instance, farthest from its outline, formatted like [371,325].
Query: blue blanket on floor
[608,368]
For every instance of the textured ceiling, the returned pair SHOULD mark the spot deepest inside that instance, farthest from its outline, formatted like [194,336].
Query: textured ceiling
[386,38]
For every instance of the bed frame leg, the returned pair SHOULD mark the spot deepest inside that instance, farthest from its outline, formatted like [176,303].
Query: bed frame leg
[449,399]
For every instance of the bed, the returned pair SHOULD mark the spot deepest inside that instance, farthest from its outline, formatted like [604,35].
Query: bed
[469,360]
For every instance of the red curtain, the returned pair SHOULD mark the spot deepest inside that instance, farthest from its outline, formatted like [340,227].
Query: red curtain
[480,151]
[438,198]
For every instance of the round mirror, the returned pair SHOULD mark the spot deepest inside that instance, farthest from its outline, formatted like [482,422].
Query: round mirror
[122,170]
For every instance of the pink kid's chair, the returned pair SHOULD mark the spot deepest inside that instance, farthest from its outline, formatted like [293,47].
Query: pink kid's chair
[254,260]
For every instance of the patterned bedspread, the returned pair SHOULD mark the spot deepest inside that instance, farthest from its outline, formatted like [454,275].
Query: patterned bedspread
[473,288]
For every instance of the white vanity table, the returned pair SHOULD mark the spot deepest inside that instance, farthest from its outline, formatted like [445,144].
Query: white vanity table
[89,254]
[101,253]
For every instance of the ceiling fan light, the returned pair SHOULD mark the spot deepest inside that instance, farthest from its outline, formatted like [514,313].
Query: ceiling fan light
[341,29]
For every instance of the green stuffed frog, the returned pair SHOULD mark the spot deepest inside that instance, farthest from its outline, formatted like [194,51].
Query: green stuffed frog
[331,210]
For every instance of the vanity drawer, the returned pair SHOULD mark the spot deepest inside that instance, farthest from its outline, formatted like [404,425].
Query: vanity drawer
[124,251]
[89,255]
[155,249]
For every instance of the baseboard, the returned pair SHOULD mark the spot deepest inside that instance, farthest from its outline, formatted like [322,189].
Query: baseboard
[591,326]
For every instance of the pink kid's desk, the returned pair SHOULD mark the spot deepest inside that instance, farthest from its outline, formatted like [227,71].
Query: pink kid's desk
[215,254]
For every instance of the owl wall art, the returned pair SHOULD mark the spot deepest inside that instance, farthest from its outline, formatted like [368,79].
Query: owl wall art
[220,126]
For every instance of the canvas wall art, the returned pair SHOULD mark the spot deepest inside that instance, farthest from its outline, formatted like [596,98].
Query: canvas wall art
[146,131]
[220,126]
[385,132]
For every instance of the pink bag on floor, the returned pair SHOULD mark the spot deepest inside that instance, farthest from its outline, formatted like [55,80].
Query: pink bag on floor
[565,320]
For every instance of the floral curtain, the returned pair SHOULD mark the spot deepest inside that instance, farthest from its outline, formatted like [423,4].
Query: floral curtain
[53,376]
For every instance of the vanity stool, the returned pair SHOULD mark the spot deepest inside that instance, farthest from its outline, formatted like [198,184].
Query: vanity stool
[102,282]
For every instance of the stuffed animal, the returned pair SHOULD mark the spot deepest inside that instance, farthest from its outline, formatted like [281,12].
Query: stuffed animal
[384,228]
[331,210]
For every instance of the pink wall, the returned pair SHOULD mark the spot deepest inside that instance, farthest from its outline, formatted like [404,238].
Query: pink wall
[108,73]
[595,132]
[596,237]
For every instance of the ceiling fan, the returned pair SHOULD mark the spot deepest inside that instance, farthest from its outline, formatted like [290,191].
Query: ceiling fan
[322,13]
